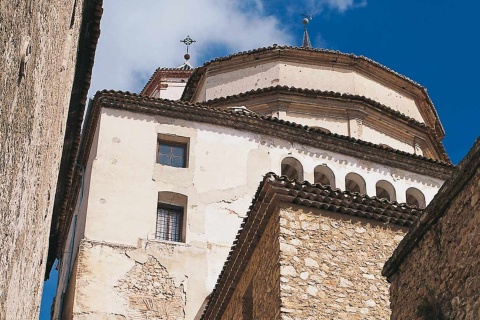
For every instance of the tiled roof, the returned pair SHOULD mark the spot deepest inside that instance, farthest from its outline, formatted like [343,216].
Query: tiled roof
[273,190]
[243,121]
[184,70]
[437,208]
[337,95]
[193,81]
[87,44]
[198,107]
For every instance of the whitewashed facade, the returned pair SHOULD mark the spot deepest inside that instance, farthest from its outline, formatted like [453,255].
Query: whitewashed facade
[113,227]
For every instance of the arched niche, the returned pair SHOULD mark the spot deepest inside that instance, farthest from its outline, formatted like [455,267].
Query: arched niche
[385,190]
[292,168]
[355,183]
[172,198]
[415,197]
[324,175]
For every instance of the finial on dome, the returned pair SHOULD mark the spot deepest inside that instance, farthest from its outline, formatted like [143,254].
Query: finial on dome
[306,39]
[187,41]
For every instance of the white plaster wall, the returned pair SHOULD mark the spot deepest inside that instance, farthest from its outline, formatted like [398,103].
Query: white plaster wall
[173,91]
[335,125]
[376,136]
[237,81]
[361,131]
[308,77]
[224,170]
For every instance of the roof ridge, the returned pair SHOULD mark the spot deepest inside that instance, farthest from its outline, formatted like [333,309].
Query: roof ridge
[127,94]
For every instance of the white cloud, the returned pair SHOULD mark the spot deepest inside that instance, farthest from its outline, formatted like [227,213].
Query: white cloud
[137,37]
[317,6]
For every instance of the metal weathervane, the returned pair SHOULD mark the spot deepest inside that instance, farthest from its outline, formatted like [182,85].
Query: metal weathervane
[306,39]
[306,18]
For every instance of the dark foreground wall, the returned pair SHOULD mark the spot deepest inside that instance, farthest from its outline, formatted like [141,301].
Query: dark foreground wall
[435,271]
[39,42]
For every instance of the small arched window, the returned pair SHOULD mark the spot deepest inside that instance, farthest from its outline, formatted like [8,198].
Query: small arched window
[355,183]
[292,168]
[415,197]
[385,190]
[324,175]
[171,214]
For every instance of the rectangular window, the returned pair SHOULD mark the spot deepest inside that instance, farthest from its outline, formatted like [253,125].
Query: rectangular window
[169,222]
[172,150]
[172,155]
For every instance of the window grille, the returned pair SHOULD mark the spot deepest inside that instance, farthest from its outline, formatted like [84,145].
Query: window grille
[171,154]
[169,222]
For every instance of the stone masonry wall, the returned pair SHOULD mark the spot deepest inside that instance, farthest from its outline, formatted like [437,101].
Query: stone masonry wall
[441,277]
[263,273]
[152,292]
[38,46]
[331,265]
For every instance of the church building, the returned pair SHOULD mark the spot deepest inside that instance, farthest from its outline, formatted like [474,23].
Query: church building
[164,179]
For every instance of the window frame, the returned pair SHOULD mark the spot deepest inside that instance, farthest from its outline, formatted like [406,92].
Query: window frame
[180,227]
[173,141]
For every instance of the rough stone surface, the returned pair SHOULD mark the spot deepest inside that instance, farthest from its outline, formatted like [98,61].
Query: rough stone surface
[342,257]
[145,282]
[152,293]
[263,274]
[441,276]
[38,45]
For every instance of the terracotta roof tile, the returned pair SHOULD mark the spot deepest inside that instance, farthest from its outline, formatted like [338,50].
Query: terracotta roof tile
[132,97]
[331,94]
[183,70]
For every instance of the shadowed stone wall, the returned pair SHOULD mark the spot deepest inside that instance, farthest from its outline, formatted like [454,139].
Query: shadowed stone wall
[261,277]
[38,52]
[439,275]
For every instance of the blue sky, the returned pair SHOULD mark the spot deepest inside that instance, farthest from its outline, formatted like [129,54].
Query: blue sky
[435,43]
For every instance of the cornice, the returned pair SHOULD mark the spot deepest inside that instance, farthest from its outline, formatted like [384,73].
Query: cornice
[258,94]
